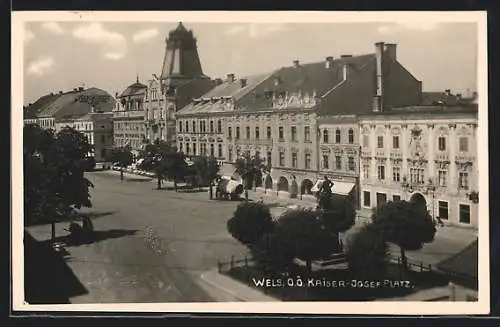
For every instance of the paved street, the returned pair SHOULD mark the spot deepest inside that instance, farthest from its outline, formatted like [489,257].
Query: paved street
[158,242]
[153,246]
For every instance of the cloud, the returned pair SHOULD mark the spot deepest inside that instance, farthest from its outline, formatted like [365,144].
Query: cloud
[412,26]
[144,35]
[256,30]
[41,66]
[28,36]
[54,28]
[114,44]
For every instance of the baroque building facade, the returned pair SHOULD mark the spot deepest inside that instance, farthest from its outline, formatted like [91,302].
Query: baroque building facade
[278,115]
[427,154]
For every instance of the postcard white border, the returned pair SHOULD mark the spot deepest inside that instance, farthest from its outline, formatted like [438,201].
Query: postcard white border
[482,306]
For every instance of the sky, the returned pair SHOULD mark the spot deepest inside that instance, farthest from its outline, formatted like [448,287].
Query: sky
[59,56]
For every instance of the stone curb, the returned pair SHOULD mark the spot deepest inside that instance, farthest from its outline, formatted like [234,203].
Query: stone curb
[234,288]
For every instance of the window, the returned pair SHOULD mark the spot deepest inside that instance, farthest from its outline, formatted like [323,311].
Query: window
[442,178]
[307,160]
[229,132]
[180,127]
[294,160]
[220,150]
[381,198]
[237,153]
[463,144]
[350,164]
[325,161]
[211,126]
[194,127]
[366,172]
[380,142]
[248,132]
[307,134]
[180,147]
[294,133]
[366,141]
[187,148]
[442,143]
[396,198]
[280,133]
[443,209]
[257,133]
[463,180]
[203,126]
[416,175]
[269,158]
[395,142]
[230,154]
[282,159]
[268,132]
[381,173]
[237,132]
[337,136]
[350,136]
[338,162]
[366,199]
[194,149]
[464,217]
[103,138]
[219,126]
[212,150]
[325,136]
[396,174]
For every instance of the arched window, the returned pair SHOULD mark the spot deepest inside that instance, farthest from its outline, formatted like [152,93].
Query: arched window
[211,126]
[337,136]
[194,126]
[187,126]
[219,126]
[351,136]
[325,136]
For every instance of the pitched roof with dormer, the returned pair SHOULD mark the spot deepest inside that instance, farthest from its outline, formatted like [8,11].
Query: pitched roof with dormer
[134,89]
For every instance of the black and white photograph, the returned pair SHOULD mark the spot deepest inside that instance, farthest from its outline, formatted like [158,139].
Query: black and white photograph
[253,162]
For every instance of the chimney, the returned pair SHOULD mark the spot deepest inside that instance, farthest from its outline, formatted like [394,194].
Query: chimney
[447,92]
[296,63]
[329,61]
[390,50]
[346,70]
[243,82]
[230,78]
[379,100]
[116,94]
[345,56]
[80,89]
[218,81]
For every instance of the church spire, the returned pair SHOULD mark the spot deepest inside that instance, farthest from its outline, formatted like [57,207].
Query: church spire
[181,60]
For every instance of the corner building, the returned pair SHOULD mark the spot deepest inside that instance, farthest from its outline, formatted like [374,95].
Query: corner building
[279,116]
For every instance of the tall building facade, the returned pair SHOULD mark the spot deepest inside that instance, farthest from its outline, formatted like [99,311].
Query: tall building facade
[277,115]
[128,117]
[180,81]
[427,154]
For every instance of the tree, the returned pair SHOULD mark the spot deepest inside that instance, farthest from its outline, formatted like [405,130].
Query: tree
[250,222]
[207,169]
[368,253]
[302,232]
[270,254]
[250,169]
[54,182]
[406,224]
[173,166]
[122,156]
[337,212]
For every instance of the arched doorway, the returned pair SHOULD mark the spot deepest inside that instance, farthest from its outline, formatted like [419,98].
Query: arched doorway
[268,182]
[419,199]
[306,186]
[283,184]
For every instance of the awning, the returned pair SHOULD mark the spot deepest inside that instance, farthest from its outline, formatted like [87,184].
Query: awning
[342,188]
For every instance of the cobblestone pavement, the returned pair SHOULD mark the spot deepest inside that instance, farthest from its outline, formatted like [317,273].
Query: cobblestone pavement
[152,246]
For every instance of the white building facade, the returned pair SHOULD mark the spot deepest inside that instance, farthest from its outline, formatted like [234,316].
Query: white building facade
[425,154]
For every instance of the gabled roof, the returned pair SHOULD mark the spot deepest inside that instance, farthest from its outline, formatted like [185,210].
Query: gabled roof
[213,100]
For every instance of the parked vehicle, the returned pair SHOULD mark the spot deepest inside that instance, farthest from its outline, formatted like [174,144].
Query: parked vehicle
[228,189]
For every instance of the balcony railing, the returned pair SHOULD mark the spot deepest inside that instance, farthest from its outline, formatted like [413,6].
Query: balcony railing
[254,141]
[132,113]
